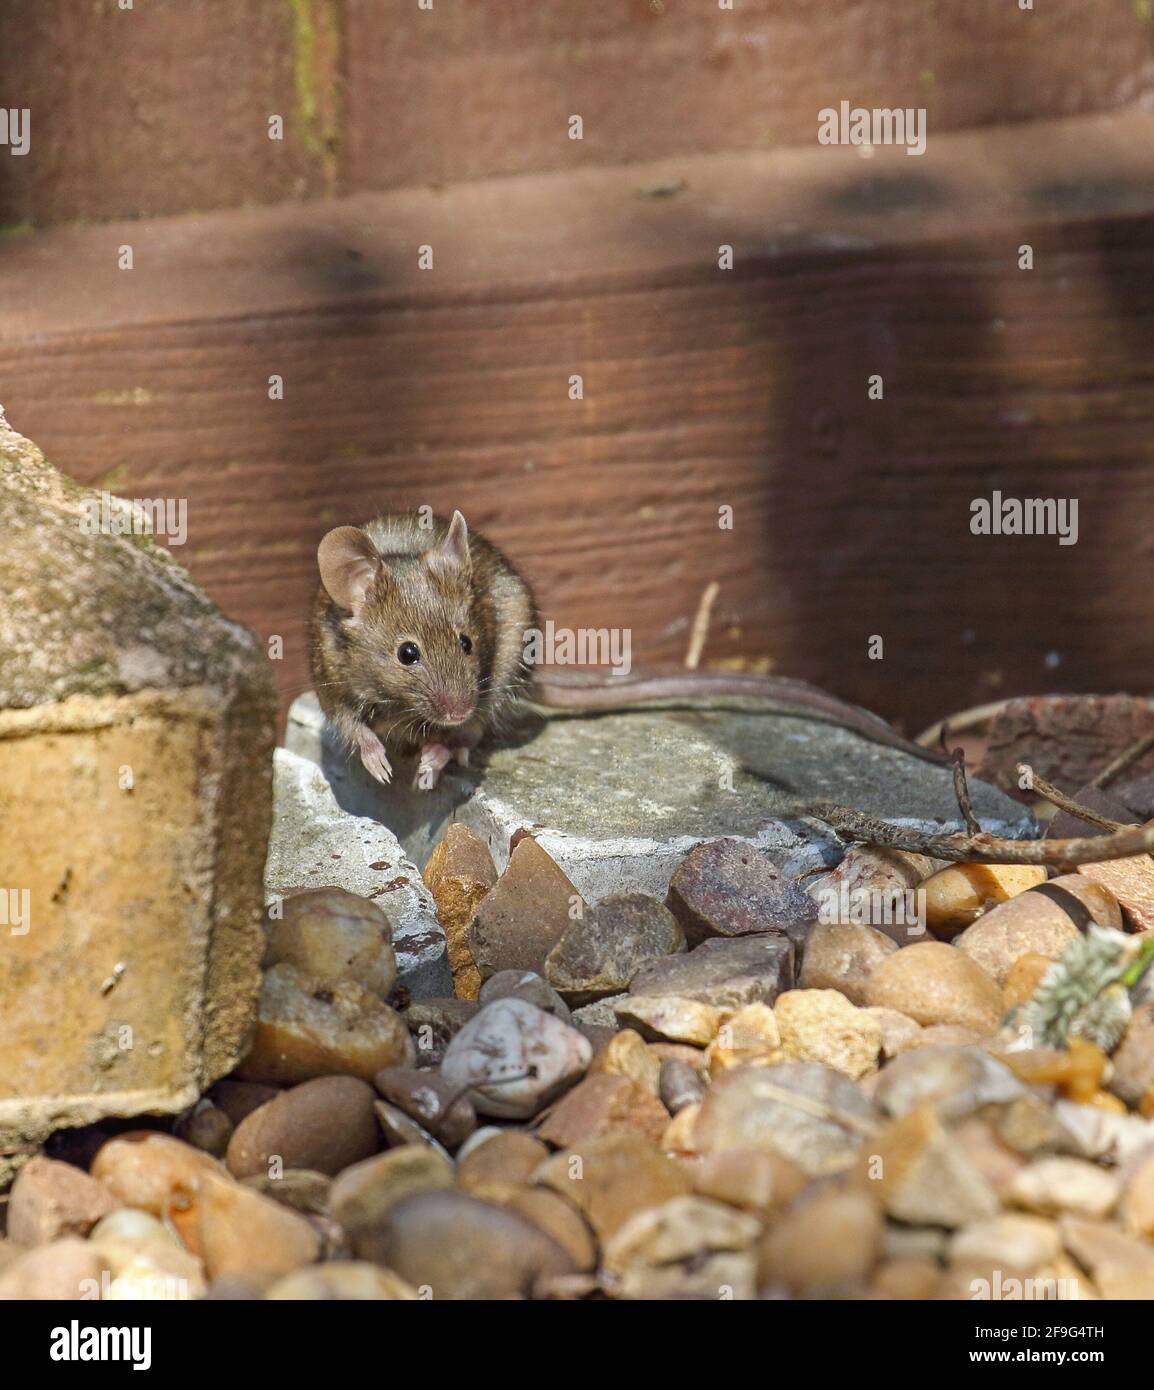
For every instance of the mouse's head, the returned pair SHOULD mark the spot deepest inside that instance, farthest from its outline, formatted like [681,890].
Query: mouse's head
[406,626]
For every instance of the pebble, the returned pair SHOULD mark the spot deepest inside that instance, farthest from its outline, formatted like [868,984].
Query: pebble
[552,1214]
[1023,978]
[305,1029]
[821,1025]
[1010,1240]
[205,1126]
[957,896]
[906,1280]
[1133,1075]
[362,1195]
[508,1158]
[151,1171]
[524,915]
[751,1037]
[612,1177]
[669,1018]
[238,1099]
[434,1023]
[67,1269]
[1121,1265]
[824,1246]
[301,1189]
[680,1085]
[324,1124]
[602,951]
[332,935]
[400,1129]
[459,873]
[679,1250]
[921,1176]
[679,1133]
[751,1179]
[873,875]
[343,1281]
[842,956]
[238,1231]
[1030,924]
[1057,1184]
[604,1103]
[431,1100]
[730,888]
[448,1245]
[526,985]
[955,1080]
[1131,882]
[898,1030]
[50,1199]
[1138,1201]
[821,1131]
[511,1039]
[628,1054]
[936,983]
[725,974]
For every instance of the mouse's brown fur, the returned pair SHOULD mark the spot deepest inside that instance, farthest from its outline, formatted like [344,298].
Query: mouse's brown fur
[398,581]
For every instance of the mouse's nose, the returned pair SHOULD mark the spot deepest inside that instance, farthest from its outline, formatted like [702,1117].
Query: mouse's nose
[452,709]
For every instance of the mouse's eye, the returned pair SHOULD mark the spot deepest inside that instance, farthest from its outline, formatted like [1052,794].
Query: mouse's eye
[408,653]
[466,643]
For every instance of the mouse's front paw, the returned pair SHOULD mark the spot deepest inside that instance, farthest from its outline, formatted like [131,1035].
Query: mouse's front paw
[373,757]
[435,757]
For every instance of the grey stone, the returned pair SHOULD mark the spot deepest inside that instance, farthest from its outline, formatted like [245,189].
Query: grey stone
[316,844]
[726,973]
[602,951]
[526,985]
[619,800]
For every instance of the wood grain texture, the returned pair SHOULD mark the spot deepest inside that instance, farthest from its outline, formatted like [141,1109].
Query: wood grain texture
[703,388]
[164,108]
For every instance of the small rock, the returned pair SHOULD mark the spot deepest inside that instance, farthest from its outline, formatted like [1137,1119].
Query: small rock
[238,1099]
[936,983]
[602,1104]
[748,1178]
[457,1247]
[324,1124]
[1131,882]
[755,1107]
[205,1126]
[898,1030]
[842,956]
[1038,922]
[343,1281]
[506,1158]
[824,1246]
[730,888]
[539,1054]
[300,1189]
[821,1025]
[612,1177]
[1052,1186]
[362,1195]
[669,1017]
[680,1085]
[955,1080]
[51,1199]
[524,915]
[597,1015]
[526,985]
[305,1030]
[429,1099]
[331,935]
[906,1280]
[459,873]
[238,1231]
[551,1213]
[879,879]
[1134,1059]
[600,953]
[628,1054]
[434,1023]
[400,1129]
[151,1171]
[751,1038]
[1137,1203]
[1008,1240]
[679,1133]
[944,1035]
[1121,1265]
[725,974]
[63,1270]
[678,1250]
[958,895]
[1023,978]
[922,1177]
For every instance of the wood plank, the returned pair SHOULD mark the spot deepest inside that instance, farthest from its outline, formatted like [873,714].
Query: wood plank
[702,388]
[164,108]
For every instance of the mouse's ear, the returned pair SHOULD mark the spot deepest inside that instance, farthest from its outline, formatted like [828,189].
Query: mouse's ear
[452,552]
[349,562]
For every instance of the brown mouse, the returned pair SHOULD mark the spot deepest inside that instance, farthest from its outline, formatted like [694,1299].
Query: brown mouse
[418,639]
[419,645]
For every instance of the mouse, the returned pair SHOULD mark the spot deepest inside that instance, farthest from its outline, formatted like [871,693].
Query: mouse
[418,646]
